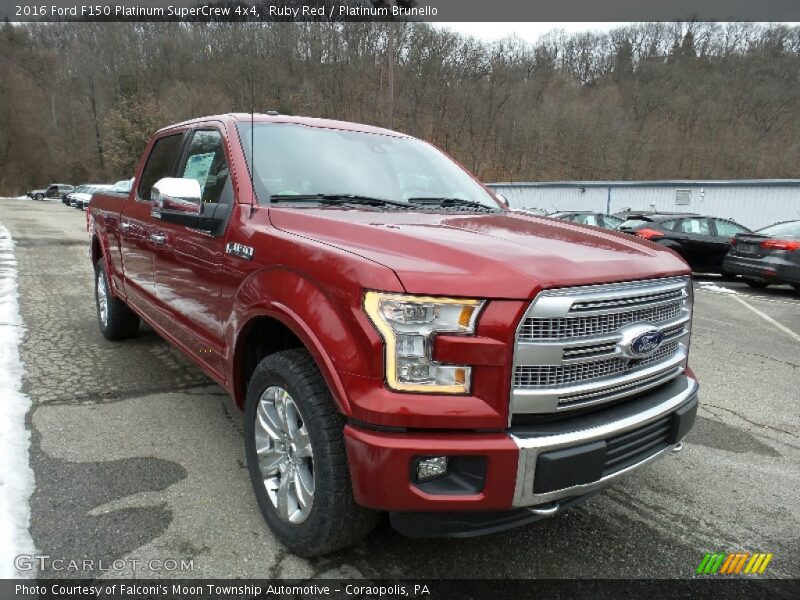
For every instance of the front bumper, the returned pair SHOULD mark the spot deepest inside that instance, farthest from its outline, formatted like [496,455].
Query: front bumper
[531,471]
[773,268]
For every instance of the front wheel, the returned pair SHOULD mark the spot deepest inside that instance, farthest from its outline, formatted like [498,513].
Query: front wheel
[116,320]
[38,197]
[296,457]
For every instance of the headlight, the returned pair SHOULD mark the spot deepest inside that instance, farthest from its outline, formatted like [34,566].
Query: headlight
[408,325]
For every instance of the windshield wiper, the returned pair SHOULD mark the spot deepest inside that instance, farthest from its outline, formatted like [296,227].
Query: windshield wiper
[454,202]
[336,199]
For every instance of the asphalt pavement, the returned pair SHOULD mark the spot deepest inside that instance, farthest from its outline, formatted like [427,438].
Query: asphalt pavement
[138,456]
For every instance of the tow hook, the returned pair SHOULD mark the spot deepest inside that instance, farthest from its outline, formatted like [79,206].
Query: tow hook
[677,447]
[545,510]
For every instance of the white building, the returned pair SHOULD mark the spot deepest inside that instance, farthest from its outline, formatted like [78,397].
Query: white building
[754,203]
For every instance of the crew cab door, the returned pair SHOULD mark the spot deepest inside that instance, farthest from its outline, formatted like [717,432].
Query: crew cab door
[697,242]
[192,284]
[137,235]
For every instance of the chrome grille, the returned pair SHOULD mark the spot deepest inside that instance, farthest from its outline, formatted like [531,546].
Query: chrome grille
[571,348]
[578,327]
[530,377]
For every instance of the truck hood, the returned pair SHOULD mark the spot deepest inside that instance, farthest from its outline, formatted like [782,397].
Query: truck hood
[503,255]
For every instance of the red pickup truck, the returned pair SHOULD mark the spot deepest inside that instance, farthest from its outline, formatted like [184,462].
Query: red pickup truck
[398,340]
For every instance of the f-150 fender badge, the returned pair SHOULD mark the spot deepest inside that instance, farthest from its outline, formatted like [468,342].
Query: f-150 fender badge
[240,250]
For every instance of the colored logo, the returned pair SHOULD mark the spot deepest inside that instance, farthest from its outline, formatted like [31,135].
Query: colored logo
[734,563]
[639,341]
[647,342]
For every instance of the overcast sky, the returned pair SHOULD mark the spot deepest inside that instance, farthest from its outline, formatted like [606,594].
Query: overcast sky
[529,32]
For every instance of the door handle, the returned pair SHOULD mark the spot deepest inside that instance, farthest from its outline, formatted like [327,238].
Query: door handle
[158,239]
[125,227]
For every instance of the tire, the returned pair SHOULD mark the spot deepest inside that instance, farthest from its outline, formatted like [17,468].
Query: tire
[117,322]
[796,287]
[38,197]
[756,283]
[332,519]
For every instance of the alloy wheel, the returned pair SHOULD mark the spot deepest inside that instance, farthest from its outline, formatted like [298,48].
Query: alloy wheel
[285,457]
[102,298]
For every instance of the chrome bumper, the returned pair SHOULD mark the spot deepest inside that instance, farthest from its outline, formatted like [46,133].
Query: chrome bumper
[584,429]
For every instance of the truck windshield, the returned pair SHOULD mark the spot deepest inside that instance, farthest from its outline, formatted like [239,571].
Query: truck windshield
[298,160]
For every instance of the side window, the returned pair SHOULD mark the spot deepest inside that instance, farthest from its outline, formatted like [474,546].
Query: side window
[160,163]
[695,226]
[206,162]
[728,229]
[587,219]
[668,225]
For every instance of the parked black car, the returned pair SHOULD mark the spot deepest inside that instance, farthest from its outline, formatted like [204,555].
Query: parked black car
[769,255]
[702,241]
[54,190]
[587,217]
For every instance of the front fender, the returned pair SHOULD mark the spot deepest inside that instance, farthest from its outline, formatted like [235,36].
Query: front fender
[100,250]
[329,323]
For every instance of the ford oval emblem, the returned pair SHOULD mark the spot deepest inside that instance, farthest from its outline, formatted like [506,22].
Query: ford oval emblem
[646,342]
[641,340]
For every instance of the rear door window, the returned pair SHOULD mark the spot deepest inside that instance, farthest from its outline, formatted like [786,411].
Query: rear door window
[587,220]
[695,226]
[161,163]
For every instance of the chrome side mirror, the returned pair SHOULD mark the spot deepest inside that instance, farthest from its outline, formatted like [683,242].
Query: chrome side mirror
[177,195]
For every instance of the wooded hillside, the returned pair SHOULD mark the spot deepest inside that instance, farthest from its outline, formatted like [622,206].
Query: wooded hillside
[698,100]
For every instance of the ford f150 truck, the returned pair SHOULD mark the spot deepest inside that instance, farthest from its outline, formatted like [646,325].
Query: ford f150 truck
[398,340]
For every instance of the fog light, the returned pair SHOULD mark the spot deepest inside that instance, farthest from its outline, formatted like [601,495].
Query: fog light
[432,467]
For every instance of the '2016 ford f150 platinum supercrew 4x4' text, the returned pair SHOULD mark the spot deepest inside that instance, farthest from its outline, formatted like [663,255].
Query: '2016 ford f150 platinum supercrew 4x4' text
[398,340]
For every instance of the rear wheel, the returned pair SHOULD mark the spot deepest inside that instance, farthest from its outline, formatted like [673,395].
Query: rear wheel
[296,457]
[796,287]
[756,283]
[116,320]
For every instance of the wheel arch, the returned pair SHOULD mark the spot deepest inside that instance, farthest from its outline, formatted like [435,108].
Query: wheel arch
[97,250]
[330,325]
[273,330]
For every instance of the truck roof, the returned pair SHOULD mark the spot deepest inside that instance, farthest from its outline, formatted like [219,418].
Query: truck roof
[234,118]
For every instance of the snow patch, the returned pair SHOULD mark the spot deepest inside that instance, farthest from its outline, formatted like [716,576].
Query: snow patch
[16,475]
[713,287]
